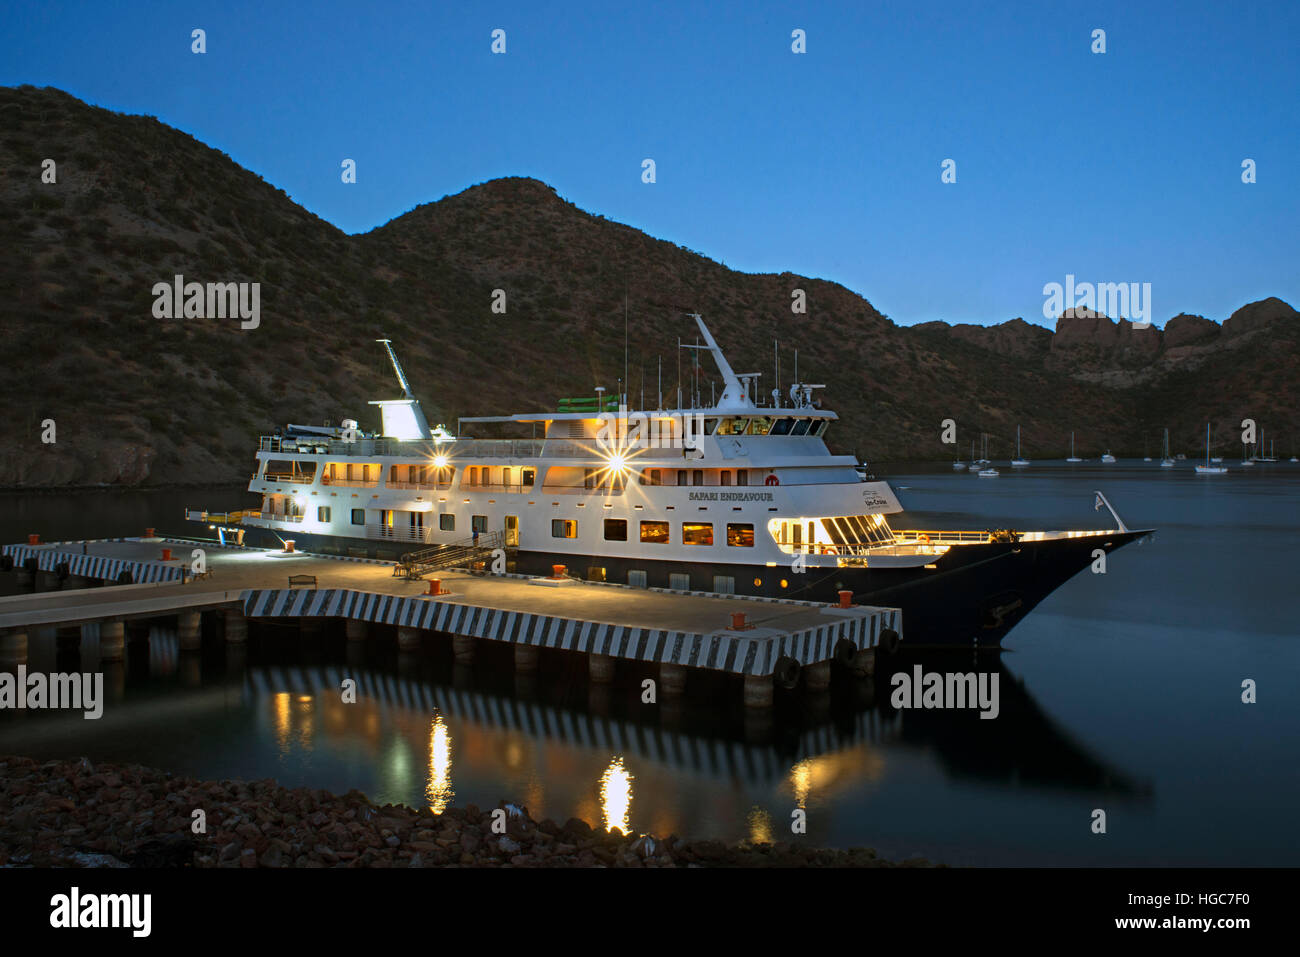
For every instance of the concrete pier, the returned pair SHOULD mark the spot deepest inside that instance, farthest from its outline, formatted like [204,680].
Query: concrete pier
[763,642]
[189,628]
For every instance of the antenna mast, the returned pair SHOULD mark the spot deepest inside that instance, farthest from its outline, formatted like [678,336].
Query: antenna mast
[397,367]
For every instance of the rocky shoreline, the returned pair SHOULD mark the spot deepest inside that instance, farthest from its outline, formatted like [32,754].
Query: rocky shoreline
[75,814]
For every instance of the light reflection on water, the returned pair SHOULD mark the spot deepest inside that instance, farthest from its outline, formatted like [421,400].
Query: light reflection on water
[1121,690]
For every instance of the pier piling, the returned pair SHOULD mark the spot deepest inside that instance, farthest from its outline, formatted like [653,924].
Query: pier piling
[189,628]
[462,649]
[112,640]
[356,628]
[672,680]
[525,658]
[408,639]
[758,691]
[600,668]
[13,648]
[817,676]
[236,626]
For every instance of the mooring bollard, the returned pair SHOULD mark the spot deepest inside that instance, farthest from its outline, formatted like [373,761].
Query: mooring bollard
[559,571]
[846,599]
[435,586]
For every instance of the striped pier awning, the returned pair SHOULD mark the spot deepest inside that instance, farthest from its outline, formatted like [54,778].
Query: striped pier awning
[95,566]
[718,650]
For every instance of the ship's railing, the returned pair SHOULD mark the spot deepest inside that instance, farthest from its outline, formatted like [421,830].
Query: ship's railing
[400,533]
[420,486]
[912,537]
[349,483]
[221,518]
[278,517]
[298,477]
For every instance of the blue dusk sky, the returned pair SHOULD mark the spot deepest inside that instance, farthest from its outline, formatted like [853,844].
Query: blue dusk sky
[1122,166]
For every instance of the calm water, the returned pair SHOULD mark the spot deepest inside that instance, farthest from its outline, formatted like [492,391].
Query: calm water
[1121,692]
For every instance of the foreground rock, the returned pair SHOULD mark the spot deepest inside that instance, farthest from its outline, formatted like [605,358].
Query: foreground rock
[73,814]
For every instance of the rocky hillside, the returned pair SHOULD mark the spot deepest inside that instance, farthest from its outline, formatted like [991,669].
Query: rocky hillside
[137,399]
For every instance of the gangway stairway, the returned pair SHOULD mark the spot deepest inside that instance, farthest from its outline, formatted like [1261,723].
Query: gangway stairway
[415,565]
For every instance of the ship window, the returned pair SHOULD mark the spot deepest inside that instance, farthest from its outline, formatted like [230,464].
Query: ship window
[478,523]
[323,513]
[447,522]
[616,530]
[506,474]
[740,536]
[637,579]
[679,581]
[818,427]
[724,584]
[759,425]
[697,533]
[710,426]
[564,528]
[681,477]
[529,477]
[742,476]
[358,516]
[733,426]
[595,573]
[656,477]
[589,478]
[654,532]
[697,476]
[800,427]
[473,475]
[726,476]
[780,427]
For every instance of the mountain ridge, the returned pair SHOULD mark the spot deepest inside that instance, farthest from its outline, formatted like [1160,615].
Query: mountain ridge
[137,400]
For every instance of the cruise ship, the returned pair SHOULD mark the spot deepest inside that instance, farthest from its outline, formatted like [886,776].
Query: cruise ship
[742,496]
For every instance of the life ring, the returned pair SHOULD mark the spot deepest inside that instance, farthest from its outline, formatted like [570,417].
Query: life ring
[924,539]
[324,480]
[772,480]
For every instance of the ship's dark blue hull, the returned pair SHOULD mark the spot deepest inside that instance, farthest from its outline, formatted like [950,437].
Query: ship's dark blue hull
[972,596]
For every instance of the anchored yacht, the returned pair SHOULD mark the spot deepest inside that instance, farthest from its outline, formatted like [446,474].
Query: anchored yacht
[739,496]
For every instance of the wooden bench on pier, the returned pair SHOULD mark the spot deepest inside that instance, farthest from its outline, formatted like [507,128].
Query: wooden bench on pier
[296,581]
